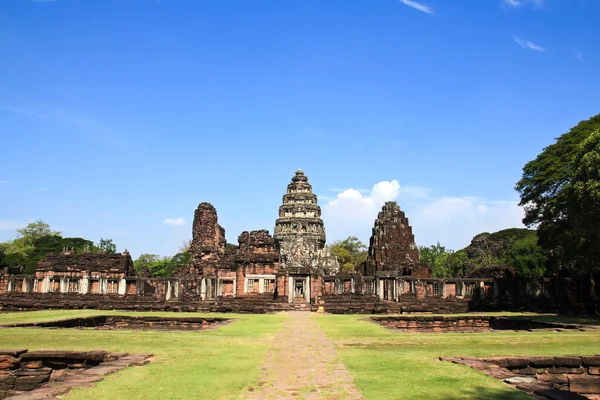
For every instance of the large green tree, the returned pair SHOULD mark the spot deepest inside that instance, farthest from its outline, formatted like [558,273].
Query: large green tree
[557,191]
[350,253]
[443,262]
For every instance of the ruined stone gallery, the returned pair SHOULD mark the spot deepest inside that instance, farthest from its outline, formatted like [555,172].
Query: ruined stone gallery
[291,269]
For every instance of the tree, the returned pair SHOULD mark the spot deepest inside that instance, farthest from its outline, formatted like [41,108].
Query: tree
[107,245]
[526,257]
[552,190]
[350,253]
[36,230]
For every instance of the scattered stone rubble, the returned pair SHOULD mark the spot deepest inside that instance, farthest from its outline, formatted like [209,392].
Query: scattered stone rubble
[45,374]
[474,323]
[563,377]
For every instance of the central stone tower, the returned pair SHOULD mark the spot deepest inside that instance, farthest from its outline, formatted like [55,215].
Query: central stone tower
[299,215]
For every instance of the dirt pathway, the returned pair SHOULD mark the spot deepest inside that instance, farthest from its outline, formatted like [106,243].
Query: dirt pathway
[303,364]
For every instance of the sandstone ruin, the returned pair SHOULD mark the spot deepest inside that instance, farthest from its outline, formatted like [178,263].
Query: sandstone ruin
[291,269]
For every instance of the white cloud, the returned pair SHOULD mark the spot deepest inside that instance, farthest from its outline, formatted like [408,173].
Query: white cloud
[453,221]
[527,44]
[8,225]
[523,3]
[417,6]
[176,222]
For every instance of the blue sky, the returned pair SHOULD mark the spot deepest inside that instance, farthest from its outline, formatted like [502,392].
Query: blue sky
[117,117]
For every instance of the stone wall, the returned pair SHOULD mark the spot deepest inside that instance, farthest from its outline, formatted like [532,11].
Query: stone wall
[23,371]
[543,376]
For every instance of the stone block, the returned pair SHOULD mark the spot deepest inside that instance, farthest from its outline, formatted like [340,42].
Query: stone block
[12,352]
[594,370]
[8,362]
[32,364]
[591,360]
[553,378]
[540,362]
[565,370]
[525,371]
[584,384]
[96,356]
[569,361]
[517,362]
[33,372]
[42,354]
[499,361]
[30,382]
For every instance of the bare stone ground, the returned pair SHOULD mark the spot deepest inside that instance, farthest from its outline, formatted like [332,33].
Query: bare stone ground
[303,364]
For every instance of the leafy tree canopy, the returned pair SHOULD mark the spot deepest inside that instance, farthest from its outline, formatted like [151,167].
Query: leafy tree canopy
[443,262]
[350,253]
[559,193]
[107,245]
[36,230]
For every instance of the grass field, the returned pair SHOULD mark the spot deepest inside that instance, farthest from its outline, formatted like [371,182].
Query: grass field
[223,363]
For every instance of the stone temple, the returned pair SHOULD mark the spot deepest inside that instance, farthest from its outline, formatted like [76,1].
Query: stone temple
[291,268]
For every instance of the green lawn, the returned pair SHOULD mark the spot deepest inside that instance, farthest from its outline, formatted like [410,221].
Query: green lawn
[222,363]
[387,364]
[214,364]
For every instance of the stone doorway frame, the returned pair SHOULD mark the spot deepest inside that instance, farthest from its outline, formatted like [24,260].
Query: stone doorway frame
[305,280]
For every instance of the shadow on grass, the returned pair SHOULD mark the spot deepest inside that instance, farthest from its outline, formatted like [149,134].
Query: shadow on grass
[481,393]
[559,318]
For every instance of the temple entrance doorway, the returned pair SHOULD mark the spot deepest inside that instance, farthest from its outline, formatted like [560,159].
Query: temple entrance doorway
[299,288]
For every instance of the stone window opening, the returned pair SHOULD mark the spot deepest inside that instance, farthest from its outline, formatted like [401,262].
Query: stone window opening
[112,286]
[469,288]
[73,286]
[269,286]
[369,286]
[54,286]
[253,285]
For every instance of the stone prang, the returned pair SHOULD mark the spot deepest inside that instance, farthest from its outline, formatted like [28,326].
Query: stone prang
[392,245]
[299,215]
[208,240]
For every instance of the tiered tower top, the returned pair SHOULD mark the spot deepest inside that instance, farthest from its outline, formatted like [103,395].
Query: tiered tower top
[299,215]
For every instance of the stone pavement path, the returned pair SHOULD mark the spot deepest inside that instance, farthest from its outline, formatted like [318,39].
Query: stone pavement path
[303,364]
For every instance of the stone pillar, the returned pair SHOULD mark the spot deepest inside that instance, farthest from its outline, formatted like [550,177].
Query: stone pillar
[307,290]
[45,284]
[25,285]
[245,285]
[64,285]
[168,294]
[380,285]
[10,285]
[496,288]
[122,288]
[290,289]
[352,285]
[261,285]
[203,289]
[84,285]
[444,289]
[177,288]
[209,289]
